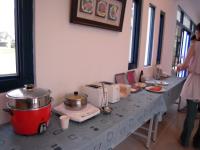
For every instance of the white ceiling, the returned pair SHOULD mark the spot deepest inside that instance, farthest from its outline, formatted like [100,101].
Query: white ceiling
[196,5]
[192,8]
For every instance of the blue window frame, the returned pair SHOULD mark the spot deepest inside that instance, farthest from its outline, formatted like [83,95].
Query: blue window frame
[160,38]
[23,17]
[135,35]
[150,32]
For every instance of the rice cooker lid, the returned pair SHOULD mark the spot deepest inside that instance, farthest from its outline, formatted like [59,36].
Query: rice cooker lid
[28,92]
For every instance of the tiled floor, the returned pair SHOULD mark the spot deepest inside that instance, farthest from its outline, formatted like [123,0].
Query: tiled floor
[168,134]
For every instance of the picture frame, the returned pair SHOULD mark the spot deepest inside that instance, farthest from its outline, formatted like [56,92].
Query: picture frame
[106,14]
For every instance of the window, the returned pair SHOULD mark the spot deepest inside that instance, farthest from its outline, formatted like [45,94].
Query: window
[184,30]
[186,21]
[132,32]
[183,50]
[7,38]
[160,38]
[135,31]
[16,43]
[178,17]
[150,32]
[177,45]
[192,26]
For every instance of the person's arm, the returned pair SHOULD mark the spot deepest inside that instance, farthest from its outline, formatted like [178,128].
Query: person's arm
[187,59]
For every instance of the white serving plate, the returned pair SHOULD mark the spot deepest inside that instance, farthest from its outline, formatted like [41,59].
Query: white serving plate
[149,88]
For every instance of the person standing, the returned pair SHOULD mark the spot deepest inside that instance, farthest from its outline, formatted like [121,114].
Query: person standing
[191,91]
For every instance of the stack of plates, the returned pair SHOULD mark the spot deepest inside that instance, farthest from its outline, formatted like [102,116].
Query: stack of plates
[157,82]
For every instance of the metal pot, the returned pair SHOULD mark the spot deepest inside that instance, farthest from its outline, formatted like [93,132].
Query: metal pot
[76,101]
[30,109]
[28,98]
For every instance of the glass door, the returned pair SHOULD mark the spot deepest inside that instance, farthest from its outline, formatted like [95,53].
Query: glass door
[185,43]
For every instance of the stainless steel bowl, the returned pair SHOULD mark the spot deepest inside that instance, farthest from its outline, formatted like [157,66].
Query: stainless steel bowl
[76,101]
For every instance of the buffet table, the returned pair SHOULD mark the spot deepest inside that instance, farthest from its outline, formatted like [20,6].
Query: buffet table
[102,132]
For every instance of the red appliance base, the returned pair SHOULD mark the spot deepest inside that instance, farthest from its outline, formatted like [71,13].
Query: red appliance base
[30,122]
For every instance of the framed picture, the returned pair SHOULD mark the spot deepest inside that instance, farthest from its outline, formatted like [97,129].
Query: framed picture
[101,7]
[107,14]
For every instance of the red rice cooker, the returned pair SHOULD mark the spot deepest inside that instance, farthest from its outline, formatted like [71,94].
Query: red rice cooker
[30,109]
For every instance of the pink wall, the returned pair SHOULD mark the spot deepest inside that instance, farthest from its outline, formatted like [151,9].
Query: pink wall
[69,55]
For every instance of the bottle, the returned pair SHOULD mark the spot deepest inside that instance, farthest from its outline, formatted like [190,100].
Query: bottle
[141,74]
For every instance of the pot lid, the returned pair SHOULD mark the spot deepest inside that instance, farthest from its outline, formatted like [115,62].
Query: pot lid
[76,96]
[28,92]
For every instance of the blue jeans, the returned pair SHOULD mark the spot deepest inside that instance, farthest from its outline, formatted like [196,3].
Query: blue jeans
[192,109]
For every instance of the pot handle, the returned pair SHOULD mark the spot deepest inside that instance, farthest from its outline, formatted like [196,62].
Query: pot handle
[29,86]
[8,110]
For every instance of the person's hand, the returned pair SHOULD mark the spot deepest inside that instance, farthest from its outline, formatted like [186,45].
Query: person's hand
[179,67]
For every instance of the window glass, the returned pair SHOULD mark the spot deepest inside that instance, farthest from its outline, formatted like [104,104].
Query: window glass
[7,38]
[177,44]
[178,17]
[193,28]
[132,33]
[186,21]
[16,44]
[150,32]
[160,38]
[184,30]
[135,34]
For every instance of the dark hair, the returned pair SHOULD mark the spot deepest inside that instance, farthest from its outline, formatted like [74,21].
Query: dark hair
[198,27]
[193,37]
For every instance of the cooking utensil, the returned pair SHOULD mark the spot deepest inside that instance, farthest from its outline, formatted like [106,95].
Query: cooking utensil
[105,109]
[76,101]
[30,109]
[28,98]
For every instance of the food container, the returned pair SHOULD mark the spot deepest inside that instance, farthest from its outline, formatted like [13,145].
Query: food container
[30,109]
[76,101]
[125,90]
